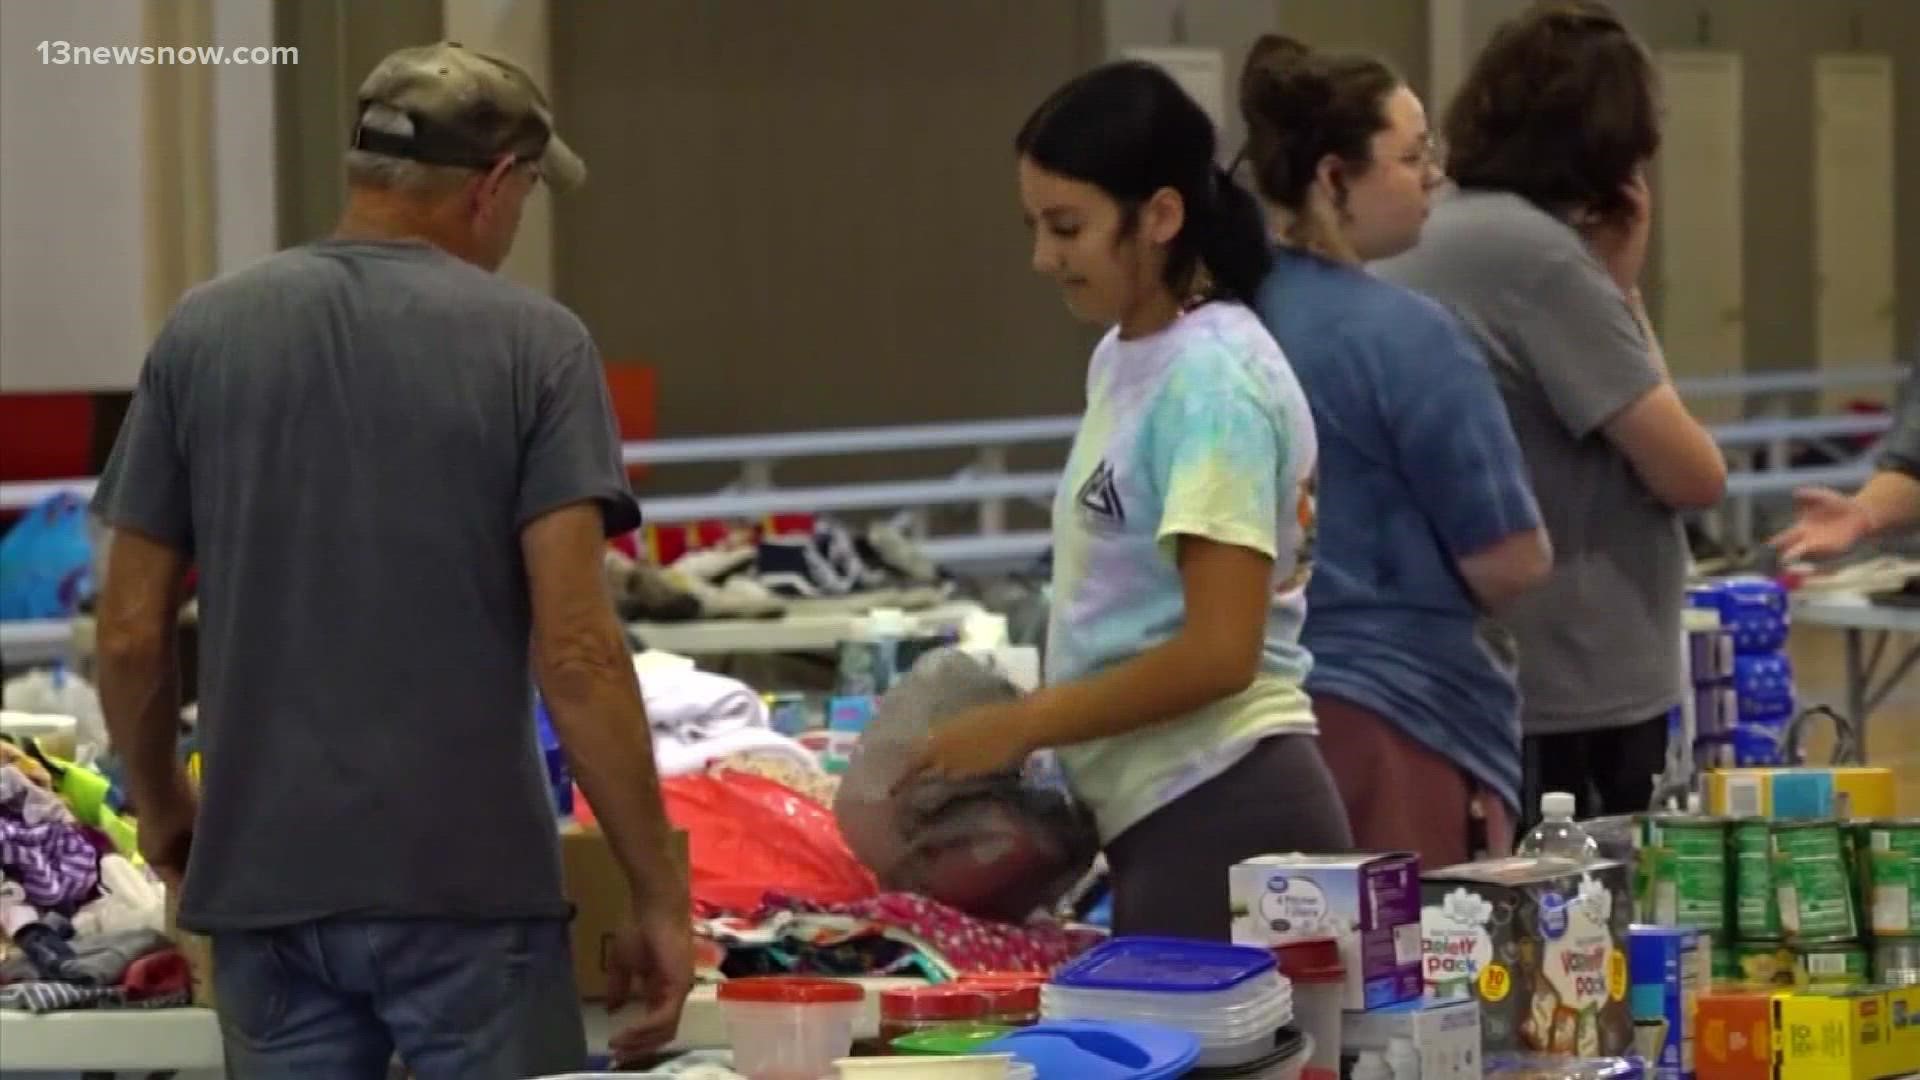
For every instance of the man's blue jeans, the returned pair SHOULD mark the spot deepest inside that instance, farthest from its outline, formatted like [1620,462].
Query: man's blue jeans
[453,1000]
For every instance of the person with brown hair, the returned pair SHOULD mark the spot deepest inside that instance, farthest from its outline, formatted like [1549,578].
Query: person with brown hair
[1539,252]
[1429,521]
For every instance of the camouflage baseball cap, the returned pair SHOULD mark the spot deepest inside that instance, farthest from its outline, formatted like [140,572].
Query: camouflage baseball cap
[446,104]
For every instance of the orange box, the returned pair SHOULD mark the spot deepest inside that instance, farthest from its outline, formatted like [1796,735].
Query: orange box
[1733,1034]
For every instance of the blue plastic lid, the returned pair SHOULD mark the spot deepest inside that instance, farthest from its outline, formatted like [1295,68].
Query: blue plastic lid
[1164,965]
[1100,1050]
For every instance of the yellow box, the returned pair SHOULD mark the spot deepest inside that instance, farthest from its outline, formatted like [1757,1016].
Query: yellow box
[1840,1034]
[1824,791]
[1903,1020]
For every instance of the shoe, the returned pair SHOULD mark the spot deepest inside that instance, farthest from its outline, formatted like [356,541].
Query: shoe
[888,548]
[737,597]
[842,552]
[715,565]
[643,593]
[795,567]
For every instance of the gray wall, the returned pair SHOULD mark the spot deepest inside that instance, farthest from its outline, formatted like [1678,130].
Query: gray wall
[339,42]
[803,212]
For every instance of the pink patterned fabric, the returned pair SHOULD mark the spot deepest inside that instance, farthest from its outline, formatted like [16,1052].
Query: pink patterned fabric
[962,942]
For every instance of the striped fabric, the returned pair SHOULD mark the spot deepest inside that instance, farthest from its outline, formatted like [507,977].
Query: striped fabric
[46,997]
[52,861]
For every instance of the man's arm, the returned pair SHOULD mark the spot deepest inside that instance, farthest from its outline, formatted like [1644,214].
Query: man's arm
[585,670]
[137,635]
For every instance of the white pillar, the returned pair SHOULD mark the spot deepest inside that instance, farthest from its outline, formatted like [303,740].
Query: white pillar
[517,29]
[72,200]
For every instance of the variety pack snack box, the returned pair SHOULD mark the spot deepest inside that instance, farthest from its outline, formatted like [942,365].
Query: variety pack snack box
[1541,944]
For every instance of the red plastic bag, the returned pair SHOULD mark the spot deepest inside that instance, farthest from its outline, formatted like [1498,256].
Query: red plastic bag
[747,835]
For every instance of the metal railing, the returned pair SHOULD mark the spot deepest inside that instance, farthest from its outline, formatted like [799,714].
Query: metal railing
[987,485]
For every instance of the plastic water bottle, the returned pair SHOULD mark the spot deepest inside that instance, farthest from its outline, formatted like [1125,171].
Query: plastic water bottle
[1371,1066]
[1403,1059]
[1557,836]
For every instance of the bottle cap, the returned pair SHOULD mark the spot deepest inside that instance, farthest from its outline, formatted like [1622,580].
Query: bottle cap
[1556,805]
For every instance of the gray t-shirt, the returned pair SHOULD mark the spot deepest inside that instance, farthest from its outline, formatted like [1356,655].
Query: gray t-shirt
[347,439]
[1599,643]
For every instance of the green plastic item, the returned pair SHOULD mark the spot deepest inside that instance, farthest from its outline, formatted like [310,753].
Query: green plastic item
[956,1040]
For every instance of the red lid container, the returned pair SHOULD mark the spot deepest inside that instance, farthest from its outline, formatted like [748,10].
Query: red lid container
[786,990]
[1311,962]
[1008,999]
[945,1002]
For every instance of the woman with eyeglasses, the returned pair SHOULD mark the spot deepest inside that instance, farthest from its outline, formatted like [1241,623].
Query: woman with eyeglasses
[1428,519]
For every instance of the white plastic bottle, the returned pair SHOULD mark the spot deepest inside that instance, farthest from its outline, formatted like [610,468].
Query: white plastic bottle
[1403,1059]
[1371,1066]
[1557,836]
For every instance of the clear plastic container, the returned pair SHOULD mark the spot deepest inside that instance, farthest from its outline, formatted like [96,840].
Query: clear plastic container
[1557,835]
[971,1067]
[1314,969]
[1289,1062]
[784,1028]
[1231,998]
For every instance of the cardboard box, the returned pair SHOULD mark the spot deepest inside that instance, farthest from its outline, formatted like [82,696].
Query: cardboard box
[1798,793]
[597,889]
[1733,1034]
[1446,1034]
[1541,944]
[1836,1034]
[1670,967]
[1370,904]
[594,885]
[1903,1021]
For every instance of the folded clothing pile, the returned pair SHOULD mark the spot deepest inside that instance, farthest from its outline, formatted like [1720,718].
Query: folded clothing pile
[80,925]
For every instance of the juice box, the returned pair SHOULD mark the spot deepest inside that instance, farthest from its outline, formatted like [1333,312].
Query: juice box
[1733,1034]
[1370,904]
[1838,1033]
[1786,794]
[1541,944]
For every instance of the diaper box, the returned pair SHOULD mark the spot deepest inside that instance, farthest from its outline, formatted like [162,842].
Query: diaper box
[1445,1034]
[1541,944]
[1370,904]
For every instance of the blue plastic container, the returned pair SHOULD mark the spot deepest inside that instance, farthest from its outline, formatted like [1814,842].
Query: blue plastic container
[1100,1050]
[559,776]
[1165,965]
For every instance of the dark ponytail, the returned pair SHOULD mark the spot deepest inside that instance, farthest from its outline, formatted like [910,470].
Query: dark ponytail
[1128,129]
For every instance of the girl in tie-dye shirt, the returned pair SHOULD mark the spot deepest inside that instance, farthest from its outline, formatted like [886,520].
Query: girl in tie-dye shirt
[1184,523]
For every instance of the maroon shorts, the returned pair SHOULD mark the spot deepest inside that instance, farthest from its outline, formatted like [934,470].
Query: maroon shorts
[1401,796]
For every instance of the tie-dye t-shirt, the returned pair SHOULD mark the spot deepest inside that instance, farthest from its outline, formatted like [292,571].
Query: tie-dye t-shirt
[1200,430]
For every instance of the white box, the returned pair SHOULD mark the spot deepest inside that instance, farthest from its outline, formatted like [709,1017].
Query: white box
[1446,1035]
[1370,904]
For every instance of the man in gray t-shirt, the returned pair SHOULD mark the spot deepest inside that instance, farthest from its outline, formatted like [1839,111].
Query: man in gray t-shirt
[1583,382]
[395,472]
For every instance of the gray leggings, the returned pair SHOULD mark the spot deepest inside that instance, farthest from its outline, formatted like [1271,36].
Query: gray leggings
[1170,870]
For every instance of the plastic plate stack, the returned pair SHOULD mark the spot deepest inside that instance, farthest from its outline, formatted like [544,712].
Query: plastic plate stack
[1232,998]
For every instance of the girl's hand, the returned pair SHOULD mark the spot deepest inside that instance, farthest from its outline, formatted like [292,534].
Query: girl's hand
[980,741]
